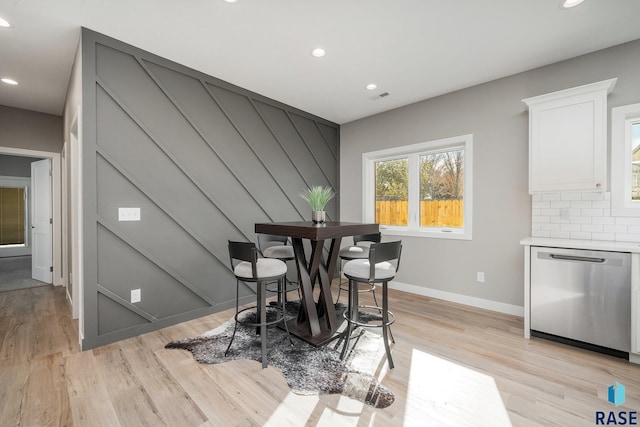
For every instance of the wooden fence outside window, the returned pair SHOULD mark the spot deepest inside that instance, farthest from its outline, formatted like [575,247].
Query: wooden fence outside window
[433,213]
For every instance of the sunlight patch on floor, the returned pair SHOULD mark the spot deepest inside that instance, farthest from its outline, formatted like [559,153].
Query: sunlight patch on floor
[298,410]
[443,393]
[346,407]
[293,410]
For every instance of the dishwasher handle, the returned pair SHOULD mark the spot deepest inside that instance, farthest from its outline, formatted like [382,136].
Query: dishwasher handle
[577,258]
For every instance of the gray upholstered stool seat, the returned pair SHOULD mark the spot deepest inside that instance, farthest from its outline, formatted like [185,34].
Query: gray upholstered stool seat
[379,268]
[359,268]
[279,252]
[266,268]
[354,252]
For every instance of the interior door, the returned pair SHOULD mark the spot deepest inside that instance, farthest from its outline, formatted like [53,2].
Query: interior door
[41,222]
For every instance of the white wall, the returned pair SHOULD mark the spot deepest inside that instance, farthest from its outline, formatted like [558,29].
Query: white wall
[27,133]
[494,114]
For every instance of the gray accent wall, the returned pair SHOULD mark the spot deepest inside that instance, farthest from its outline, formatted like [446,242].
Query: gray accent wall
[494,114]
[204,161]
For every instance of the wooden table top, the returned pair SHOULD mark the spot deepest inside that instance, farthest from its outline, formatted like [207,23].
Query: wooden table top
[313,231]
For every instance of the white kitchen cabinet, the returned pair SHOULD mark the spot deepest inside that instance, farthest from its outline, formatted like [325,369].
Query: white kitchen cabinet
[568,139]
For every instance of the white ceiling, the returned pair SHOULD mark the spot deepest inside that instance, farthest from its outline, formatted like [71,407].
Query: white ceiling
[413,49]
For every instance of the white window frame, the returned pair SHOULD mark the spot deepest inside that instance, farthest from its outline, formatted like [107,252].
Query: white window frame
[413,152]
[622,119]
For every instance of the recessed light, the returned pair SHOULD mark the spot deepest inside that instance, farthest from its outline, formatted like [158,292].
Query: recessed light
[9,81]
[318,52]
[4,23]
[567,4]
[230,1]
[372,86]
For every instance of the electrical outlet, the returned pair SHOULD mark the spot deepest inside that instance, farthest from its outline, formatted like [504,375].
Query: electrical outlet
[128,214]
[136,296]
[480,277]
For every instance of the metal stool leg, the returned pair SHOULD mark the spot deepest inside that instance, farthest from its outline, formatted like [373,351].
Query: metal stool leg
[350,314]
[282,297]
[235,325]
[385,322]
[283,289]
[373,291]
[262,298]
[339,278]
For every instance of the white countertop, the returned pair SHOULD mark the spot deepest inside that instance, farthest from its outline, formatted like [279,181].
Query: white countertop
[595,245]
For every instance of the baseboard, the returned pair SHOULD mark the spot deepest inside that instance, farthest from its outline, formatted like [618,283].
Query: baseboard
[485,304]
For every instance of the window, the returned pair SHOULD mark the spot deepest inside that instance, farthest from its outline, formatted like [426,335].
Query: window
[625,160]
[12,216]
[421,190]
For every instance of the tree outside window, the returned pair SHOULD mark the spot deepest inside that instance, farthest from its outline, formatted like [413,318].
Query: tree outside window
[442,189]
[392,191]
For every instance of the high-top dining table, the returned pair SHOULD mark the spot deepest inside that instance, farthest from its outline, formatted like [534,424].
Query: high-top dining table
[317,321]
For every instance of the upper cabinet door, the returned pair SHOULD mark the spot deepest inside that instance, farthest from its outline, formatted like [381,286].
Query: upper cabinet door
[568,139]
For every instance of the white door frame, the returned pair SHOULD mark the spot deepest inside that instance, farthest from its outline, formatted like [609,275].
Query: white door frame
[74,220]
[58,278]
[64,215]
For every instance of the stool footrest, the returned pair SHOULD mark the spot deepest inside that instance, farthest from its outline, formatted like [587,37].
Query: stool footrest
[345,287]
[390,321]
[279,316]
[290,286]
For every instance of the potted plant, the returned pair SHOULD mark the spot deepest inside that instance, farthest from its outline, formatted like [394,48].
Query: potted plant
[318,196]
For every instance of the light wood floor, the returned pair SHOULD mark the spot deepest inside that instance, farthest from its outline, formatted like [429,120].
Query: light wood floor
[455,366]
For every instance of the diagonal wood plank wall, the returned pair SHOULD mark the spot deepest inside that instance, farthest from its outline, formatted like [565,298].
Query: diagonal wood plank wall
[204,161]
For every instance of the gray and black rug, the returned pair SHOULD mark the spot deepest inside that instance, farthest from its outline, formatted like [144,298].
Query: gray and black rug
[307,369]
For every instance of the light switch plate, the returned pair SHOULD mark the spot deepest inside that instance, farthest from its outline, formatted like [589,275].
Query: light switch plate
[136,296]
[128,214]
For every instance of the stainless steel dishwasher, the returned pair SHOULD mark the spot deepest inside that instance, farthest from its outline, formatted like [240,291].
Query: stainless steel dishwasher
[583,296]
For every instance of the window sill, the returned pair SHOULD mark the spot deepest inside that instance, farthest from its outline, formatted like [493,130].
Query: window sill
[452,235]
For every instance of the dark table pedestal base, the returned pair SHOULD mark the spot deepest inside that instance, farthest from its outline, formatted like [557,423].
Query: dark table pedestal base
[318,322]
[301,330]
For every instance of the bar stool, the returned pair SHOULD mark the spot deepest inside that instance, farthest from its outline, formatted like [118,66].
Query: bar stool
[276,247]
[376,269]
[248,268]
[357,251]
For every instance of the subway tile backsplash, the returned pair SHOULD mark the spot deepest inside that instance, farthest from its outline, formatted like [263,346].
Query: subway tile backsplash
[580,215]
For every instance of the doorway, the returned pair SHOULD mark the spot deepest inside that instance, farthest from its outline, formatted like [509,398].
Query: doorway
[22,252]
[17,241]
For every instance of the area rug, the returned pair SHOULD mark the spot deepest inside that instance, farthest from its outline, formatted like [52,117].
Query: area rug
[308,370]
